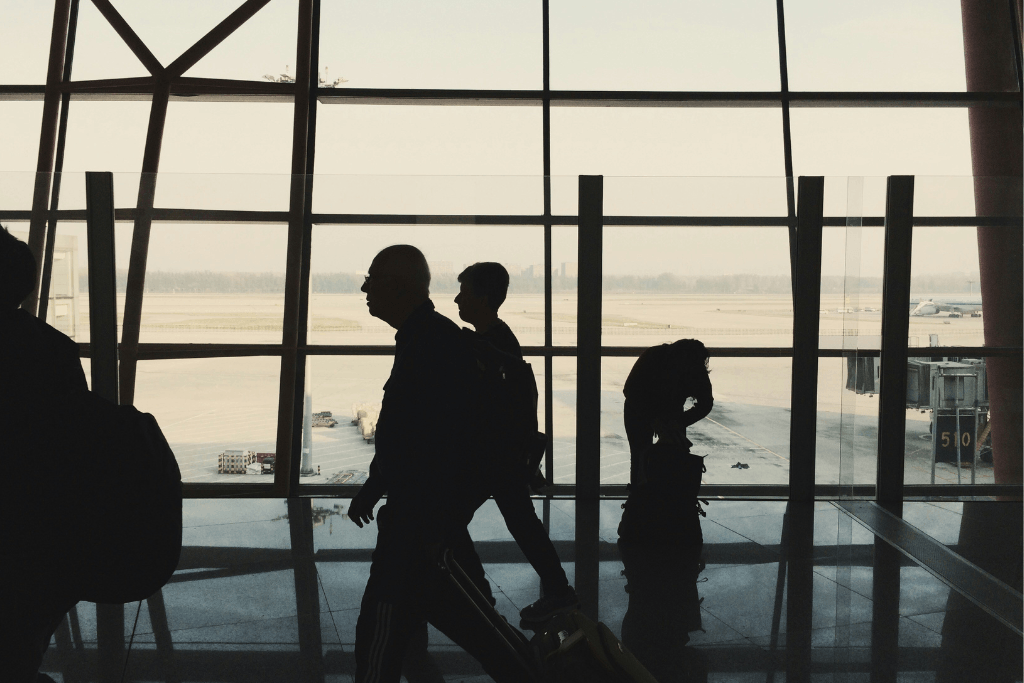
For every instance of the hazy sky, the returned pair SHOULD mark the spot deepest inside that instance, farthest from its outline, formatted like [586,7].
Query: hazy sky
[598,44]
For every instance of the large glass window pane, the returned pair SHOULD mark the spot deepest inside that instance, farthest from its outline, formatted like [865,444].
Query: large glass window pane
[343,386]
[25,33]
[213,191]
[342,255]
[227,137]
[438,195]
[875,45]
[564,285]
[106,136]
[880,142]
[690,196]
[425,140]
[662,142]
[563,406]
[724,286]
[219,414]
[19,138]
[659,45]
[945,288]
[462,44]
[850,319]
[748,425]
[230,290]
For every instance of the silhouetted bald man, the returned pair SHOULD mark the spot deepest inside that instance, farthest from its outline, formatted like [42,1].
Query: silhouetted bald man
[426,472]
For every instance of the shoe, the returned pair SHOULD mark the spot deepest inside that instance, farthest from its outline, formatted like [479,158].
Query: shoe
[549,606]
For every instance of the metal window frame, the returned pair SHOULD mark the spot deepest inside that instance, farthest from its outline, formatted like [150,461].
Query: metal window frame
[166,83]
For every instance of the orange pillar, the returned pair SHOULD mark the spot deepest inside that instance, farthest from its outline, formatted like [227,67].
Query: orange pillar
[996,157]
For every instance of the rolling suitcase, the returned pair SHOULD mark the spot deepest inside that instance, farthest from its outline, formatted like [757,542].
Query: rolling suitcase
[572,648]
[569,648]
[504,635]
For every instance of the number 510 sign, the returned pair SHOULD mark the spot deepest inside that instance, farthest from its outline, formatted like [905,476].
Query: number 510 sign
[947,437]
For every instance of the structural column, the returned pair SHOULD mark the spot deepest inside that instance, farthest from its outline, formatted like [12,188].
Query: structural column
[992,59]
[892,396]
[588,391]
[99,195]
[806,302]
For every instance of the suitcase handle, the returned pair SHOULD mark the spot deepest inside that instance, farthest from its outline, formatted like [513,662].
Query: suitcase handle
[514,640]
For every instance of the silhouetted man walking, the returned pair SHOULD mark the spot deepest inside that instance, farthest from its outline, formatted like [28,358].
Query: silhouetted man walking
[482,291]
[426,474]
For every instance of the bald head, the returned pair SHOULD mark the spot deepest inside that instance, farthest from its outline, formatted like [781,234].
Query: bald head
[398,281]
[406,264]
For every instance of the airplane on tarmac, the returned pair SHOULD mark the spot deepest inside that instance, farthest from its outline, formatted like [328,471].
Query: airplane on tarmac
[955,307]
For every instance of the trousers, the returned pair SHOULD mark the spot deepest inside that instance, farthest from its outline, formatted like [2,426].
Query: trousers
[516,507]
[406,589]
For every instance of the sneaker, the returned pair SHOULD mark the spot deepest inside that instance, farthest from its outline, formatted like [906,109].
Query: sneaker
[549,606]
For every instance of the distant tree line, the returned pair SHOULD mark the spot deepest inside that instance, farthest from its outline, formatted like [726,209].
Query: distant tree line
[208,282]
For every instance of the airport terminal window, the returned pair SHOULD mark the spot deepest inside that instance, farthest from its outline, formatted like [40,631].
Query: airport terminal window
[227,137]
[413,139]
[109,135]
[666,141]
[462,44]
[20,150]
[880,142]
[26,32]
[745,438]
[855,49]
[657,45]
[214,412]
[425,195]
[235,112]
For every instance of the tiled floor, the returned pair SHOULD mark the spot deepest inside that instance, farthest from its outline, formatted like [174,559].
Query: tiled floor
[245,606]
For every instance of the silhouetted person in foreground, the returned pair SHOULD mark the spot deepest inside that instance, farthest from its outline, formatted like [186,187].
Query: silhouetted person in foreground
[92,509]
[37,364]
[656,390]
[665,477]
[483,287]
[425,471]
[660,538]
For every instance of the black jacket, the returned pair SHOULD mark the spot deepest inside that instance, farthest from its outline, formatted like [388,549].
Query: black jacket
[661,381]
[503,338]
[421,449]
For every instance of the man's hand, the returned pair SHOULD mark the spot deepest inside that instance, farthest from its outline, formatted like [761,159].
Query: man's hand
[360,510]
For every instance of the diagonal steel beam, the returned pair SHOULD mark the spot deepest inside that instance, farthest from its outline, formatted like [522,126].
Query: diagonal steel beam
[292,361]
[47,139]
[135,286]
[215,37]
[129,36]
[58,166]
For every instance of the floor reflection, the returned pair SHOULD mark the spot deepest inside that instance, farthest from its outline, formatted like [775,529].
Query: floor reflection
[663,609]
[268,590]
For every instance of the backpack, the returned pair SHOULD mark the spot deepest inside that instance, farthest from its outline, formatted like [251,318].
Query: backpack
[508,442]
[114,468]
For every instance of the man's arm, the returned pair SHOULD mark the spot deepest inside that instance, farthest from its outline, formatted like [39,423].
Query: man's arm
[360,510]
